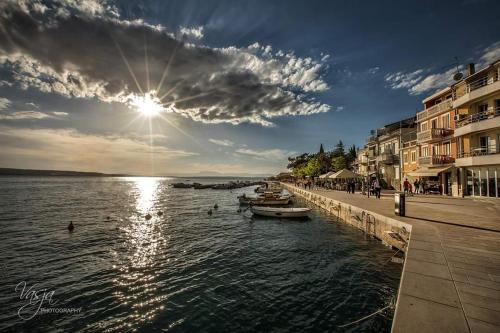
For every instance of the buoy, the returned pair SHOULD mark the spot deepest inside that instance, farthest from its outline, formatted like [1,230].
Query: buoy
[216,206]
[108,218]
[209,212]
[71,226]
[239,210]
[160,213]
[148,216]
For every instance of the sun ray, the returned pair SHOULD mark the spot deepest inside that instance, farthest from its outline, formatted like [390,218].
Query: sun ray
[187,98]
[167,66]
[146,62]
[170,90]
[128,65]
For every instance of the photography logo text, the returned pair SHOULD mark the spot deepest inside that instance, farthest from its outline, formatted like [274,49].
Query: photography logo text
[38,302]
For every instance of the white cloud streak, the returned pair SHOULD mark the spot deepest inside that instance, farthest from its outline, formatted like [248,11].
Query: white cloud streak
[424,80]
[225,143]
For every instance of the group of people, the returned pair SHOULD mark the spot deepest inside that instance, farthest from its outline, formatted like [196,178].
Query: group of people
[372,187]
[418,187]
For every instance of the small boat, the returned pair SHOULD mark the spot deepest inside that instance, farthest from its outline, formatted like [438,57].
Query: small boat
[280,212]
[181,185]
[198,186]
[268,198]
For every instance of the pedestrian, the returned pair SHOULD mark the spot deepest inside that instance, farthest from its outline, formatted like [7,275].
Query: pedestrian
[421,187]
[376,186]
[415,185]
[406,186]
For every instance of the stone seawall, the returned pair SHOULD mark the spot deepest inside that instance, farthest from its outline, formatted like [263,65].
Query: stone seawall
[390,231]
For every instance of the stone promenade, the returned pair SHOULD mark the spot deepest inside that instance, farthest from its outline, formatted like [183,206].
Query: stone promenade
[451,275]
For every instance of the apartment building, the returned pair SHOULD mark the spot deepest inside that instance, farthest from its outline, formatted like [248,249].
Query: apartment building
[408,155]
[436,144]
[361,163]
[477,131]
[383,152]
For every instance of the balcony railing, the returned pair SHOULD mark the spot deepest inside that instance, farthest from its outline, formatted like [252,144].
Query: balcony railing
[476,117]
[435,160]
[480,151]
[435,109]
[433,134]
[474,85]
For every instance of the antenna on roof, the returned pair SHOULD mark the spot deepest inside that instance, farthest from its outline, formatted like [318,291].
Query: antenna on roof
[458,75]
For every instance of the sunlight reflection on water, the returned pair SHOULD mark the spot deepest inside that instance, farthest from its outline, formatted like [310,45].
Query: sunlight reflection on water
[144,242]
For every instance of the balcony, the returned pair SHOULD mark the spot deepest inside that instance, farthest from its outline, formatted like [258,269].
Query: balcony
[387,157]
[435,160]
[478,156]
[435,109]
[477,89]
[478,122]
[434,134]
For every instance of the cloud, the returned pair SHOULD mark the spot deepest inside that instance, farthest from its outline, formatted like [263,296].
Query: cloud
[193,32]
[68,149]
[86,50]
[490,55]
[60,113]
[4,103]
[339,108]
[424,80]
[373,70]
[273,154]
[22,115]
[226,143]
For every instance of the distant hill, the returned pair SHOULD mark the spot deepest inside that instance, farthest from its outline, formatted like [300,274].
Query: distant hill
[30,172]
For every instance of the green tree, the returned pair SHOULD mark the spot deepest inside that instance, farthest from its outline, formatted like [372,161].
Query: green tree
[313,168]
[351,156]
[339,163]
[338,150]
[323,160]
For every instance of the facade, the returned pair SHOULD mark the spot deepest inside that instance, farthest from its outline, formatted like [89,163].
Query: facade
[383,152]
[408,156]
[436,144]
[477,103]
[361,163]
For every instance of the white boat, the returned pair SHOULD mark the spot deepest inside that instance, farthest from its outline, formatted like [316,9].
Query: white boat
[280,212]
[268,198]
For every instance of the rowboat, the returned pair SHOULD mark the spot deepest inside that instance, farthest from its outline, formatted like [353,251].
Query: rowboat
[280,212]
[268,198]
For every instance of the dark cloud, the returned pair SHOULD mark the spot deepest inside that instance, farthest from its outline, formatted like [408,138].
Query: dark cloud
[90,52]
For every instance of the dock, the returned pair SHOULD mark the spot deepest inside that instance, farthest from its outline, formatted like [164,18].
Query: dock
[451,275]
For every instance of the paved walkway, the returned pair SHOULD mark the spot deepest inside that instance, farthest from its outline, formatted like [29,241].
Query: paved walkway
[451,276]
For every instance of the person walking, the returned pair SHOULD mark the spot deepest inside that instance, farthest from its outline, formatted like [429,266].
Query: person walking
[376,186]
[406,186]
[415,186]
[421,187]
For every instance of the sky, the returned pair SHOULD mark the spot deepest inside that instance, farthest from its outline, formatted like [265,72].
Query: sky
[220,87]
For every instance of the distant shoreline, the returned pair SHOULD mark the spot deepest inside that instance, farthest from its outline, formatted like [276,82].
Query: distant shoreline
[65,173]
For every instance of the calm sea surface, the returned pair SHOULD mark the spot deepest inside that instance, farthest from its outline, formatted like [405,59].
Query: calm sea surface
[185,271]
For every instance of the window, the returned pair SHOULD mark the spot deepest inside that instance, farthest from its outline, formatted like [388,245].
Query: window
[405,158]
[484,143]
[434,123]
[413,156]
[445,120]
[435,150]
[447,148]
[425,151]
[482,107]
[423,126]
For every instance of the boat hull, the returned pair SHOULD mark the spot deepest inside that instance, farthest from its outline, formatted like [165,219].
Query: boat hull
[281,212]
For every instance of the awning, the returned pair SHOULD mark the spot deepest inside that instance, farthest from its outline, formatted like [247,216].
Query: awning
[326,175]
[344,174]
[428,172]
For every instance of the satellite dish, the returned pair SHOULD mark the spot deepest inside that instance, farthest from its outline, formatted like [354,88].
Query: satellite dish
[458,76]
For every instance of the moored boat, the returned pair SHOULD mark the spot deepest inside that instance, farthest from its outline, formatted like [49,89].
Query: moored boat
[280,212]
[267,198]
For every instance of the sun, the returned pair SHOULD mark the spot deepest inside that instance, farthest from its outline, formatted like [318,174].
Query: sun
[148,104]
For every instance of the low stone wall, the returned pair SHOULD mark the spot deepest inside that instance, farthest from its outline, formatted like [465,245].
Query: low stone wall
[390,231]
